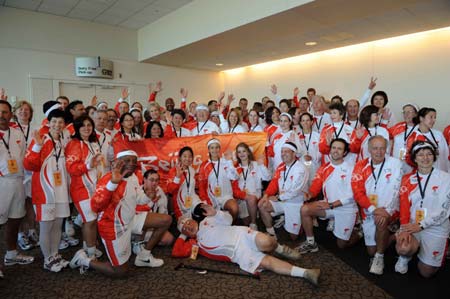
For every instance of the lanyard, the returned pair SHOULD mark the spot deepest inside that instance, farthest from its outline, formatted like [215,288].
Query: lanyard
[175,131]
[103,142]
[232,130]
[188,180]
[23,132]
[422,191]
[406,136]
[245,174]
[286,173]
[340,130]
[198,131]
[309,141]
[320,123]
[57,155]
[356,123]
[432,136]
[253,129]
[376,178]
[7,144]
[91,149]
[216,173]
[370,134]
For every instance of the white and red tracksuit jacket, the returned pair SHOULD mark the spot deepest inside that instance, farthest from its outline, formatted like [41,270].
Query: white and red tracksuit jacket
[104,140]
[248,179]
[292,189]
[41,161]
[278,140]
[83,179]
[387,188]
[203,128]
[335,130]
[360,146]
[335,183]
[178,187]
[16,143]
[436,201]
[320,121]
[207,181]
[436,138]
[116,204]
[157,205]
[170,132]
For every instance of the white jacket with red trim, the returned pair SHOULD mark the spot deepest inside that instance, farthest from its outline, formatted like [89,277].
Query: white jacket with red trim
[207,181]
[334,129]
[361,145]
[179,190]
[116,204]
[105,143]
[387,188]
[42,161]
[436,201]
[335,183]
[292,190]
[203,128]
[16,143]
[83,179]
[248,179]
[278,140]
[320,121]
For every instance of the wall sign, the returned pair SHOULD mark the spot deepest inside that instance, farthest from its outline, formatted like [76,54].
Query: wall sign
[93,67]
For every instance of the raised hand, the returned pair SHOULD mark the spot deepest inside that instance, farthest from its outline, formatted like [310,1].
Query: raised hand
[183,93]
[118,171]
[125,93]
[221,96]
[158,86]
[179,170]
[94,101]
[38,138]
[3,95]
[329,137]
[372,83]
[386,114]
[296,91]
[150,87]
[274,89]
[230,98]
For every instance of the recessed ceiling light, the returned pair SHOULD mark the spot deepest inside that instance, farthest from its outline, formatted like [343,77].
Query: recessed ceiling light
[219,64]
[311,43]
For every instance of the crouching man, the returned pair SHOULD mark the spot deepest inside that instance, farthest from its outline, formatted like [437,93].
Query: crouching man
[115,200]
[219,240]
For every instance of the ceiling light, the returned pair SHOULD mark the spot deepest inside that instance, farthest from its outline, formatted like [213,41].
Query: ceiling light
[311,44]
[219,64]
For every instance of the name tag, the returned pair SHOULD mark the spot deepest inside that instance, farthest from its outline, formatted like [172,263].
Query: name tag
[188,201]
[373,198]
[57,178]
[402,153]
[420,215]
[12,166]
[217,191]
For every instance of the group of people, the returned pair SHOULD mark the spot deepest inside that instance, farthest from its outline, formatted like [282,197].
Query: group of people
[351,163]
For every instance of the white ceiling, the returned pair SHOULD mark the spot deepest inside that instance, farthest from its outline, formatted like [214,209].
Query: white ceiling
[331,23]
[130,14]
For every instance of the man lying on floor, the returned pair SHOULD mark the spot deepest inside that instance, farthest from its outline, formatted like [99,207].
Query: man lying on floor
[218,240]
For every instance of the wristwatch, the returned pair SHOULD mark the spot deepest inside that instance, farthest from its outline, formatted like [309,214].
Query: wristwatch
[331,206]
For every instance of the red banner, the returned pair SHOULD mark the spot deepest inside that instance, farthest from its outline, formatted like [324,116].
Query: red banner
[161,154]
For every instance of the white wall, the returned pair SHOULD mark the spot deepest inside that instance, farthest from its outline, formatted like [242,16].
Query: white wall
[409,68]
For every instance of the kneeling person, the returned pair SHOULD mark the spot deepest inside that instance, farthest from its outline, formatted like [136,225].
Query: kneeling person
[115,199]
[334,179]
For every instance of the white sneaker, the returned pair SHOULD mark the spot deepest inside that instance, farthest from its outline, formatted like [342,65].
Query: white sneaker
[78,259]
[34,238]
[148,261]
[63,244]
[330,225]
[377,266]
[23,242]
[64,263]
[68,228]
[279,222]
[70,240]
[52,265]
[401,266]
[78,221]
[20,259]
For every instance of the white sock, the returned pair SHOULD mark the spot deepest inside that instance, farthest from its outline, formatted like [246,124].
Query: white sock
[297,271]
[11,254]
[85,262]
[310,240]
[144,252]
[91,251]
[379,255]
[271,231]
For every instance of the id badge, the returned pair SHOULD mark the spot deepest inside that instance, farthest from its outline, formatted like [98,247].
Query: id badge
[420,215]
[217,191]
[12,166]
[402,153]
[373,198]
[99,174]
[282,191]
[188,201]
[194,252]
[57,178]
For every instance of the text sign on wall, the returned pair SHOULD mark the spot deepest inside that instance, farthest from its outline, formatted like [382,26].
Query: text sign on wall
[93,67]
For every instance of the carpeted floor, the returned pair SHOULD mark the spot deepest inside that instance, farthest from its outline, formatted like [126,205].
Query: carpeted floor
[338,280]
